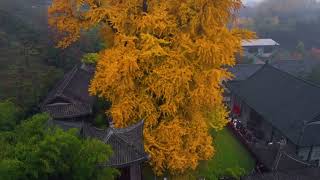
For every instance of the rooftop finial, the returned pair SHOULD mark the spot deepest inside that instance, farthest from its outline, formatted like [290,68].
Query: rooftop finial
[111,123]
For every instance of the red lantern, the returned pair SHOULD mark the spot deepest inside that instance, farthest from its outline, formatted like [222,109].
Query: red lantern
[236,109]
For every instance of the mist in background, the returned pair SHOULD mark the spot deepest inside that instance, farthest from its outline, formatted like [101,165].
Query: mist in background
[30,65]
[287,21]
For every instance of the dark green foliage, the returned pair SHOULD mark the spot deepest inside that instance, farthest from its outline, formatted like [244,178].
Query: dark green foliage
[93,152]
[235,172]
[11,169]
[100,120]
[91,41]
[9,115]
[27,87]
[90,58]
[24,75]
[29,63]
[35,151]
[300,48]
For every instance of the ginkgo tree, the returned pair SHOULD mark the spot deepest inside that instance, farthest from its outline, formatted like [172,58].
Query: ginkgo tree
[165,63]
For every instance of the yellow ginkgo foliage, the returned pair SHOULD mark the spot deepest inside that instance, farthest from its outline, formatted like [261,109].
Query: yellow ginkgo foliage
[165,65]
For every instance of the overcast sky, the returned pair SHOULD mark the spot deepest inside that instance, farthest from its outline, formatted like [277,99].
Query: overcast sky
[250,1]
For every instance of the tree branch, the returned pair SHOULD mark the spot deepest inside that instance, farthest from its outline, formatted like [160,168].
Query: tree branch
[144,6]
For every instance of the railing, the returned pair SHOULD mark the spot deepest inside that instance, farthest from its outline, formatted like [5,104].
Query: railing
[243,139]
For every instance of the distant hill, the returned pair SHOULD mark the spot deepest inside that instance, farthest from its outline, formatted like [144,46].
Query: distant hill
[25,76]
[31,12]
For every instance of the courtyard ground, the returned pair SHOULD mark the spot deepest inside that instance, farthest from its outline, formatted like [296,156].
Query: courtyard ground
[231,159]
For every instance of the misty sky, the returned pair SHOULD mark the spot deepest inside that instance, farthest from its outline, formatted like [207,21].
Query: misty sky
[251,1]
[257,1]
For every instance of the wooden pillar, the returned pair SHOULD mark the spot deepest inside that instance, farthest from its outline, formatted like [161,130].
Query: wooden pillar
[135,172]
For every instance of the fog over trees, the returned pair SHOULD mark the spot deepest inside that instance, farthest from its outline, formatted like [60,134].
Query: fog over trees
[287,21]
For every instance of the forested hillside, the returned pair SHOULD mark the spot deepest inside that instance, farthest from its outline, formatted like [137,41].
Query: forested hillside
[24,75]
[29,62]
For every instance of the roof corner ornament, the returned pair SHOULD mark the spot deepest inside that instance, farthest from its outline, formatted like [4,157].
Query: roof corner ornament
[111,123]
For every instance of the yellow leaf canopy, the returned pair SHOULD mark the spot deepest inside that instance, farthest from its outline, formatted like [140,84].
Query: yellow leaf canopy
[165,65]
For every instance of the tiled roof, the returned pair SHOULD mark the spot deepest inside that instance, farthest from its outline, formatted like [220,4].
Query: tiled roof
[300,174]
[287,102]
[280,176]
[277,159]
[70,97]
[126,143]
[244,71]
[67,110]
[298,68]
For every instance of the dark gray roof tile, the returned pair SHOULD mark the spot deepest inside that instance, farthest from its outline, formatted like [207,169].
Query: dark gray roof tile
[70,98]
[274,158]
[67,110]
[287,102]
[126,143]
[279,176]
[298,68]
[244,71]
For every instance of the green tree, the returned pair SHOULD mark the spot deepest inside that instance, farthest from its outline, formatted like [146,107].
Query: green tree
[8,115]
[90,58]
[300,48]
[35,151]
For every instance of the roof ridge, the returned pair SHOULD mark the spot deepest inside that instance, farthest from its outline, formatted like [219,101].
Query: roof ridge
[246,65]
[291,75]
[289,60]
[67,81]
[116,132]
[130,144]
[306,82]
[296,160]
[112,132]
[284,72]
[127,129]
[130,162]
[260,69]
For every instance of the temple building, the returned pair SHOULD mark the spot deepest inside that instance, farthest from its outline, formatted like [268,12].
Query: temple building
[276,106]
[259,50]
[70,106]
